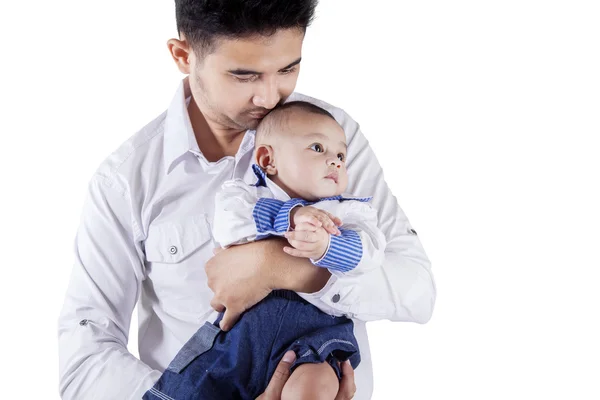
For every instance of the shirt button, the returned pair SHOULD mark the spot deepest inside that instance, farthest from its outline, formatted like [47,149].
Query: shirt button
[335,298]
[173,250]
[83,322]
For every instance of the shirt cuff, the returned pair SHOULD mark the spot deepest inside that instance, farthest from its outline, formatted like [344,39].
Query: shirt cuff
[344,252]
[335,298]
[282,220]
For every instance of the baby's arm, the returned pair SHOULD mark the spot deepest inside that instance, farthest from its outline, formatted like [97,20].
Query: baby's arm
[234,207]
[361,245]
[245,213]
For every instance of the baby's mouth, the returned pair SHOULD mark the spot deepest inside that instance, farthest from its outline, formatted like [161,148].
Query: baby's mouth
[333,176]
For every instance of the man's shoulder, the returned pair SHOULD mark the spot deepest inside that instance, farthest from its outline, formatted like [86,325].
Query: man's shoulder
[133,154]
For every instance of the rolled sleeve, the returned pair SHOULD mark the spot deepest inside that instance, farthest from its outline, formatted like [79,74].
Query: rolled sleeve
[105,282]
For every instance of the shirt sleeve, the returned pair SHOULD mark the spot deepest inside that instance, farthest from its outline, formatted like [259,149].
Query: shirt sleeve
[361,246]
[234,205]
[403,287]
[104,286]
[245,213]
[273,216]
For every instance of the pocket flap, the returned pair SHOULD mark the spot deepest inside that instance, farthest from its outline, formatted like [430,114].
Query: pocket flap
[173,242]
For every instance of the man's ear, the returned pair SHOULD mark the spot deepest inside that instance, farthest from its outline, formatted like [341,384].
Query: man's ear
[180,51]
[265,159]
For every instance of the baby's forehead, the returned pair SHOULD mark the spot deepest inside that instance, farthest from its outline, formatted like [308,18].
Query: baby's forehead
[299,122]
[307,124]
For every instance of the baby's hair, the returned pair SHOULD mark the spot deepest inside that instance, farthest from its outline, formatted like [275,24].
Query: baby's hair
[277,119]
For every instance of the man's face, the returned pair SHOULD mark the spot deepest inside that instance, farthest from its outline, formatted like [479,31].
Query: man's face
[240,80]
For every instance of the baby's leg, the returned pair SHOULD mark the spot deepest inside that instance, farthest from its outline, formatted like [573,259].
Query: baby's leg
[312,381]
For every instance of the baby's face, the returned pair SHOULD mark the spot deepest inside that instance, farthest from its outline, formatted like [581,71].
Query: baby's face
[311,156]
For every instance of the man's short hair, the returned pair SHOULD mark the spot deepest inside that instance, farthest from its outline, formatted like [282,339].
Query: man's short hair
[204,21]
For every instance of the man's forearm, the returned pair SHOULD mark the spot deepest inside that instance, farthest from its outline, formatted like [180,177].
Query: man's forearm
[293,273]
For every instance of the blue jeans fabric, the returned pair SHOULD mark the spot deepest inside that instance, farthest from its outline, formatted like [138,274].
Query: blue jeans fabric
[239,364]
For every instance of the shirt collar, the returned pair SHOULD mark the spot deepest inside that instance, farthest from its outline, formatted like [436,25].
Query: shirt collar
[263,180]
[179,135]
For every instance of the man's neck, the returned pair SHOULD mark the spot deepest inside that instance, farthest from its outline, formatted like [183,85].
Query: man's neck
[214,141]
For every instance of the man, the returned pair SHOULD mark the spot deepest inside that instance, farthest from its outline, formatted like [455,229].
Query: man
[145,230]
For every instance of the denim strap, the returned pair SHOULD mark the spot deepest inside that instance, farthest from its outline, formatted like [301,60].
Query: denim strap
[200,343]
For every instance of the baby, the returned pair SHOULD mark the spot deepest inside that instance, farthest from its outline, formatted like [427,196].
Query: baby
[300,154]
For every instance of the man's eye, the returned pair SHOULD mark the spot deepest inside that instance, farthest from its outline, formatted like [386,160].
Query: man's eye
[317,147]
[341,156]
[245,78]
[288,71]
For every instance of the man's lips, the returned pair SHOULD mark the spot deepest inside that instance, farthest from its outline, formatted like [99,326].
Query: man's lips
[258,114]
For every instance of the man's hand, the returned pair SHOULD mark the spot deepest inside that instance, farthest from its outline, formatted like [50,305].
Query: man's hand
[316,217]
[347,385]
[239,278]
[279,378]
[282,374]
[307,241]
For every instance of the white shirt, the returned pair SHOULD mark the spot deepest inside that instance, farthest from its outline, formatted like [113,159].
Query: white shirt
[145,235]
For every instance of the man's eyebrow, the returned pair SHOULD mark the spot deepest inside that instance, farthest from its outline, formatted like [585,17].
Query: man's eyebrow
[292,64]
[241,71]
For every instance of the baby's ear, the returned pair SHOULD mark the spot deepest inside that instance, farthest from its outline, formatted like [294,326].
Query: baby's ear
[265,159]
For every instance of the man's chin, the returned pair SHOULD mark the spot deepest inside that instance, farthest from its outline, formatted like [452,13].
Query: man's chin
[248,123]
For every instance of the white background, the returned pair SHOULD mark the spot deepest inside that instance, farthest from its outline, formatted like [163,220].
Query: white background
[484,114]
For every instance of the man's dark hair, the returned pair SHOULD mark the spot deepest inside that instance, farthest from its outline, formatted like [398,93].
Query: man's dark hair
[203,21]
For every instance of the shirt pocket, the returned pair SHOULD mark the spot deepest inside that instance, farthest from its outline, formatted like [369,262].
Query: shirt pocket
[174,242]
[176,252]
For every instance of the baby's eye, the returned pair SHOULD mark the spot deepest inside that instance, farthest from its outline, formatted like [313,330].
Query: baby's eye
[317,147]
[341,156]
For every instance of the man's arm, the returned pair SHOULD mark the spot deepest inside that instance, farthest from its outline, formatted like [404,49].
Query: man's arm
[241,276]
[103,290]
[403,289]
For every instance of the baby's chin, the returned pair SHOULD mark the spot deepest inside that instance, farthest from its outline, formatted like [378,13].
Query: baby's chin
[327,192]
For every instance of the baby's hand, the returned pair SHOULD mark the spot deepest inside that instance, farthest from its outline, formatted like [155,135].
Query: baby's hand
[316,217]
[308,241]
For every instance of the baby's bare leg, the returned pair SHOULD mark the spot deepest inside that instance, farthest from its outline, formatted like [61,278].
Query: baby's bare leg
[311,381]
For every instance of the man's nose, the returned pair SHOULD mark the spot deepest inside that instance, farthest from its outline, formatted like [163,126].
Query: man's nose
[268,95]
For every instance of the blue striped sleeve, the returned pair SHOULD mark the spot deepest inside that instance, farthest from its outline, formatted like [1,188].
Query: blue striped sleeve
[344,252]
[282,221]
[264,213]
[273,216]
